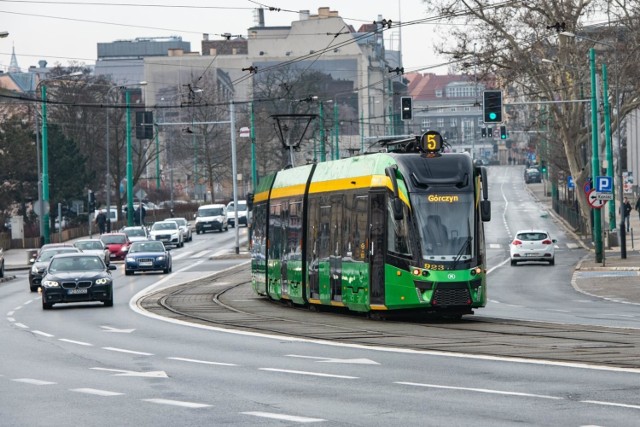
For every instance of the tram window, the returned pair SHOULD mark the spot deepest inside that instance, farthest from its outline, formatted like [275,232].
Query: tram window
[356,227]
[294,230]
[398,231]
[337,225]
[324,231]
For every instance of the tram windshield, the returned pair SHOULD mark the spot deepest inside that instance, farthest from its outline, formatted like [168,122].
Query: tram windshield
[446,224]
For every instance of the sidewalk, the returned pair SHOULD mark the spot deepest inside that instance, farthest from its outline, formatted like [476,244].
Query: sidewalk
[615,279]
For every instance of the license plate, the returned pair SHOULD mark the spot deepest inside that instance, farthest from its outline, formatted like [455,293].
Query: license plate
[77,291]
[112,255]
[146,264]
[533,255]
[207,226]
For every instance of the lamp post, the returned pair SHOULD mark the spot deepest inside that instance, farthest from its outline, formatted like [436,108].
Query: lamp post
[127,98]
[622,231]
[44,206]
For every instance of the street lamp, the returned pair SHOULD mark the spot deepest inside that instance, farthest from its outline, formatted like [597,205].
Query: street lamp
[622,230]
[44,206]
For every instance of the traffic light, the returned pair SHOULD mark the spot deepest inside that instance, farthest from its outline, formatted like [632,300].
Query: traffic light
[92,201]
[484,132]
[144,124]
[490,132]
[503,132]
[543,166]
[492,106]
[406,108]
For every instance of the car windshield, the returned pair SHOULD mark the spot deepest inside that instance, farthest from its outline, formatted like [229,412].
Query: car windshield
[48,254]
[180,221]
[134,232]
[79,263]
[146,247]
[88,246]
[531,236]
[164,226]
[210,212]
[113,239]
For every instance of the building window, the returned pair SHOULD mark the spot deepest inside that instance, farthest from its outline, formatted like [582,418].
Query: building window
[454,122]
[440,123]
[439,93]
[426,123]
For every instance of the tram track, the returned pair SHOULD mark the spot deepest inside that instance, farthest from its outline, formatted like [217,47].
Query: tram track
[226,300]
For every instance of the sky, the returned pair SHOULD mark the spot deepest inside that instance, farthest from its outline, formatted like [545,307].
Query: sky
[61,32]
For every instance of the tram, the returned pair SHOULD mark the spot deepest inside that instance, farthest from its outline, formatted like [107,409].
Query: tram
[391,231]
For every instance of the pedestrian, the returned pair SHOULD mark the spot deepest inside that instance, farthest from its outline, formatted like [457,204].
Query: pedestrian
[626,209]
[101,220]
[638,205]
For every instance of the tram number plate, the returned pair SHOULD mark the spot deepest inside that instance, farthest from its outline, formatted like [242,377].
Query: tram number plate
[77,291]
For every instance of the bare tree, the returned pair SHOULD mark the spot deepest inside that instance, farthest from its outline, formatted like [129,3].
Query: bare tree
[509,39]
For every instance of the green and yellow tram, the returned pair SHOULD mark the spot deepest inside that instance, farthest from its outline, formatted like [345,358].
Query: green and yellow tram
[390,231]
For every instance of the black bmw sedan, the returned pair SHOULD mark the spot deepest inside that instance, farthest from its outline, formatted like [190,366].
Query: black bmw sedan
[77,277]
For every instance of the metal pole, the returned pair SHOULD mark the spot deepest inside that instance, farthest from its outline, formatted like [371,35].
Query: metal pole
[608,149]
[129,161]
[45,168]
[232,114]
[595,161]
[335,129]
[623,235]
[323,157]
[157,157]
[40,221]
[254,172]
[108,176]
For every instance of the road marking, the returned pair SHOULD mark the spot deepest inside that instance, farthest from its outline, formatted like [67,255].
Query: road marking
[11,319]
[28,302]
[182,255]
[44,334]
[481,390]
[201,254]
[204,362]
[283,417]
[21,325]
[494,246]
[177,403]
[96,392]
[122,350]
[32,381]
[121,331]
[126,373]
[314,374]
[572,245]
[334,360]
[76,342]
[10,313]
[621,405]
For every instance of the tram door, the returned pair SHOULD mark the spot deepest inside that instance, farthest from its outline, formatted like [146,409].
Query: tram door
[336,245]
[377,211]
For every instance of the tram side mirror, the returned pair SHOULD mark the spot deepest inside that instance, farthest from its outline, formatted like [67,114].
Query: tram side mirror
[485,210]
[397,209]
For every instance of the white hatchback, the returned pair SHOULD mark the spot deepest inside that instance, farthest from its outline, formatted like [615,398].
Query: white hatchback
[532,245]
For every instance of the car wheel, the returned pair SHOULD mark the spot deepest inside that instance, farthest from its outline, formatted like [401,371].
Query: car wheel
[46,305]
[166,270]
[109,302]
[552,261]
[33,288]
[128,272]
[514,262]
[2,269]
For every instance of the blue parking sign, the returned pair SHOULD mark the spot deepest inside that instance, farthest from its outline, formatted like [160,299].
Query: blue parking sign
[570,184]
[604,184]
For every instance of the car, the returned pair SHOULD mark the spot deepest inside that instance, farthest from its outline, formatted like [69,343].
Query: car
[167,232]
[532,245]
[147,255]
[77,277]
[211,217]
[117,243]
[185,227]
[94,246]
[39,266]
[36,252]
[532,175]
[136,233]
[243,213]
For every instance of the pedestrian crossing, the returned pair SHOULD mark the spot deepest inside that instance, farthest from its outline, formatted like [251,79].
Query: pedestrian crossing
[568,245]
[197,255]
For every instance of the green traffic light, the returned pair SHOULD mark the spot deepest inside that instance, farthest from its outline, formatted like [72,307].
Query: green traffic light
[503,136]
[493,116]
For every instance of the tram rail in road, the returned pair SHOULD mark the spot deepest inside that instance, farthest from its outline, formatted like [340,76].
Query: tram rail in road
[226,300]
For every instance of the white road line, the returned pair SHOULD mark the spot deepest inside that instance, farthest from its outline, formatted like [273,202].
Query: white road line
[21,325]
[44,334]
[96,392]
[32,381]
[481,390]
[283,417]
[621,405]
[204,362]
[18,308]
[11,319]
[10,313]
[201,253]
[494,246]
[314,374]
[86,344]
[122,350]
[28,302]
[177,403]
[182,255]
[572,245]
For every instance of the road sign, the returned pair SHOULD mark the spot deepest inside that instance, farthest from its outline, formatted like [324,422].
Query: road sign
[592,198]
[604,196]
[604,184]
[245,132]
[587,187]
[570,184]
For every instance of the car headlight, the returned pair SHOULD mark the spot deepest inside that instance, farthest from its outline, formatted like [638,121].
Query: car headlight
[34,269]
[50,284]
[125,249]
[131,259]
[160,258]
[102,281]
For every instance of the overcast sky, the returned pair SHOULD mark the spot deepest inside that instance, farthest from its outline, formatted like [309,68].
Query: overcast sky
[64,31]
